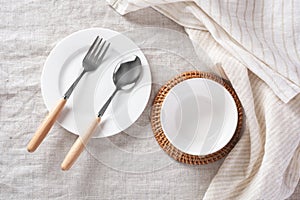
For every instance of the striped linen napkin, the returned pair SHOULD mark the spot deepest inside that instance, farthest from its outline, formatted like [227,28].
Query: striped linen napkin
[258,44]
[262,35]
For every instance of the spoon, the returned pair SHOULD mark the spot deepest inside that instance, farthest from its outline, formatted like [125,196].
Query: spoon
[125,77]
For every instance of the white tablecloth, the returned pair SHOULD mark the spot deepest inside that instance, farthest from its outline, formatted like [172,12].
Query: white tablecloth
[28,31]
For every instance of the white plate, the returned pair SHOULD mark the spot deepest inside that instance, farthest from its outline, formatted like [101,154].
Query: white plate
[199,116]
[64,64]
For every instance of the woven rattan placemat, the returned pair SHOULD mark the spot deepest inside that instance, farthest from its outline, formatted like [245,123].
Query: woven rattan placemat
[165,143]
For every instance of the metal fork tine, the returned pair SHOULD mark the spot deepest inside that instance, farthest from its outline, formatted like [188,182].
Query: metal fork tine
[99,51]
[103,54]
[91,47]
[95,50]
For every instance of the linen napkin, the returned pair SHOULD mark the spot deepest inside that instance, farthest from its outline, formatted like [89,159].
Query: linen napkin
[258,46]
[262,35]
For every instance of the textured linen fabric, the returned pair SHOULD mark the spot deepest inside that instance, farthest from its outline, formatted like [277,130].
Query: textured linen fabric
[28,32]
[265,164]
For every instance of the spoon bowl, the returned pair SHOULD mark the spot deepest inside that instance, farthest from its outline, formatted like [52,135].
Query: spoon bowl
[127,74]
[125,77]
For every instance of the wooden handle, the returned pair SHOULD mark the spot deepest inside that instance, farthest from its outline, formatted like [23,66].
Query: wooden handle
[79,145]
[44,128]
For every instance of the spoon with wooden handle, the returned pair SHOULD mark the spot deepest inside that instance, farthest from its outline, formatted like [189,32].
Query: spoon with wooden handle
[125,77]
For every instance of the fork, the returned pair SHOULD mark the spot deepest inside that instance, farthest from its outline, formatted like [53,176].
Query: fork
[90,62]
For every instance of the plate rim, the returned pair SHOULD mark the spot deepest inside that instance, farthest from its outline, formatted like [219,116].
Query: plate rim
[59,43]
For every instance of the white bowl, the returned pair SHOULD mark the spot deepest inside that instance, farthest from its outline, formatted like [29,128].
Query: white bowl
[199,116]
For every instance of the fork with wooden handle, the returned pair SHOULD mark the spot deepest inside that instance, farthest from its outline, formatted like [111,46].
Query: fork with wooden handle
[91,61]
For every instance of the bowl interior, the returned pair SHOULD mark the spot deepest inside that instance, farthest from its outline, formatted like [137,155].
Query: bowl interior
[199,116]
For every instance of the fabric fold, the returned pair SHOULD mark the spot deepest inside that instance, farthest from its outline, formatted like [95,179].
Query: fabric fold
[244,41]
